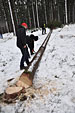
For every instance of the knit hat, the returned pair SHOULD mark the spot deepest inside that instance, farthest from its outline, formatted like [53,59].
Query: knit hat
[25,25]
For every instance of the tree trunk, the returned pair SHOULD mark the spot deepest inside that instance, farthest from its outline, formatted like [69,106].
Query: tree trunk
[13,18]
[29,17]
[45,12]
[5,16]
[37,14]
[33,15]
[66,11]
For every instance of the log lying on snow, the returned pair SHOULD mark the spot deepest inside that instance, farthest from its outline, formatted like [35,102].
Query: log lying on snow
[26,78]
[13,92]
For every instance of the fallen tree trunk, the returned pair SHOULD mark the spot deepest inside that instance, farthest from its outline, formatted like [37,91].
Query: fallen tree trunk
[26,78]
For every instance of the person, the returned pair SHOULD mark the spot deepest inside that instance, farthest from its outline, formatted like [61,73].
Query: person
[43,29]
[30,41]
[22,45]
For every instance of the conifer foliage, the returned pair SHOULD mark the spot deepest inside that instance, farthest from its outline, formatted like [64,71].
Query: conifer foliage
[35,13]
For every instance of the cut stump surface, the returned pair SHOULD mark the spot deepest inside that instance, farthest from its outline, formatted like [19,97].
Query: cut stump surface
[12,92]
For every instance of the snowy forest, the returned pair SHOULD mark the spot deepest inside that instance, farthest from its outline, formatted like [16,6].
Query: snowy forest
[35,13]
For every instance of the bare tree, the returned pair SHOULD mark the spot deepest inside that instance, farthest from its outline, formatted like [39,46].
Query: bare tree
[66,11]
[37,14]
[12,18]
[33,15]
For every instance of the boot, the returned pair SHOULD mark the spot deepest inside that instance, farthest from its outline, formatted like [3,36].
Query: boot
[24,67]
[27,62]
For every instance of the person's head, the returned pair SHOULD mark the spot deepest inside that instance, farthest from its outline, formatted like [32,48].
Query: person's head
[24,25]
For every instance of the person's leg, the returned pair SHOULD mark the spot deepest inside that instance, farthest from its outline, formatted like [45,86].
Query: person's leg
[22,59]
[27,62]
[32,47]
[44,30]
[25,57]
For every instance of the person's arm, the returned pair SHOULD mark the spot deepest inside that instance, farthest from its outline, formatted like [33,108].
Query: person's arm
[23,37]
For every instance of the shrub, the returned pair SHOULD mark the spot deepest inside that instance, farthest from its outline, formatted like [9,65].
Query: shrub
[54,24]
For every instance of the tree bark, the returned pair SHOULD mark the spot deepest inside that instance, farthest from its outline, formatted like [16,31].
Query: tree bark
[13,92]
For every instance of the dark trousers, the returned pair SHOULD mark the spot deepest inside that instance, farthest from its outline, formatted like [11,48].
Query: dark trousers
[31,46]
[43,31]
[25,56]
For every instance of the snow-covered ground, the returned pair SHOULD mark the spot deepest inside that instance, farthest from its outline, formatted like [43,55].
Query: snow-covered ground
[54,81]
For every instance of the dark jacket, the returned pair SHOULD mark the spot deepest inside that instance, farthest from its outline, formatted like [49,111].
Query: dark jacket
[30,41]
[21,36]
[35,38]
